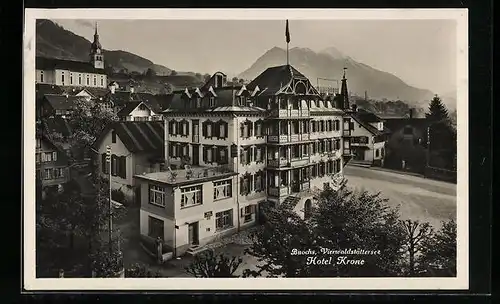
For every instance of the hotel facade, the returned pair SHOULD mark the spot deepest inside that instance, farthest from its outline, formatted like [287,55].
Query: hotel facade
[276,139]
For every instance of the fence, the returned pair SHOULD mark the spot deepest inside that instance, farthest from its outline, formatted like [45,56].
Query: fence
[441,174]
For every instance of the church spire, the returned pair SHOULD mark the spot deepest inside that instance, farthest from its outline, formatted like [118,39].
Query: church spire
[344,93]
[96,54]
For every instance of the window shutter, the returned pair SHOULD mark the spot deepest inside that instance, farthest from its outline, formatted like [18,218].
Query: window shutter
[225,130]
[103,162]
[242,130]
[187,128]
[250,129]
[242,212]
[124,167]
[204,154]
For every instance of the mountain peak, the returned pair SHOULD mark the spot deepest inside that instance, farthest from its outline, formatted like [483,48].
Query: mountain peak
[333,52]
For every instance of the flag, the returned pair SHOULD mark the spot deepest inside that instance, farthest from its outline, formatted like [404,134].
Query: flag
[287,33]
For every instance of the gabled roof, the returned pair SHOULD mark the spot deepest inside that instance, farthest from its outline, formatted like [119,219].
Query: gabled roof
[121,98]
[394,124]
[44,63]
[57,124]
[367,116]
[138,136]
[41,89]
[62,102]
[364,118]
[273,79]
[131,106]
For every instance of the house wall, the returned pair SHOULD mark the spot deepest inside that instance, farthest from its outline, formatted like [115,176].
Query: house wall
[359,130]
[60,162]
[71,78]
[173,215]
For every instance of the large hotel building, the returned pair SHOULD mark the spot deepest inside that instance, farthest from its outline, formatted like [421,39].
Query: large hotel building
[229,149]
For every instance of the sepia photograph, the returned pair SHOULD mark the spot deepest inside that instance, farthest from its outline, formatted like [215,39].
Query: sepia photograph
[251,147]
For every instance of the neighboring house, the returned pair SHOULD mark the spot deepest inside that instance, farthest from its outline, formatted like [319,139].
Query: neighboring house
[74,73]
[277,135]
[407,143]
[190,212]
[135,147]
[51,105]
[52,165]
[368,137]
[137,111]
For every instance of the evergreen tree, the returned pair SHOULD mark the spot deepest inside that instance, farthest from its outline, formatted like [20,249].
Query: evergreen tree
[437,111]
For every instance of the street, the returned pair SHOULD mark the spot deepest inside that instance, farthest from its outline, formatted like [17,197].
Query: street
[419,198]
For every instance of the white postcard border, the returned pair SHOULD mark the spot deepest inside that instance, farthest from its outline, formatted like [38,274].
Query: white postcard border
[31,283]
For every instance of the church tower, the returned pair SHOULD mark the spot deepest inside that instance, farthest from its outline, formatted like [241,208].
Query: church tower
[96,54]
[344,93]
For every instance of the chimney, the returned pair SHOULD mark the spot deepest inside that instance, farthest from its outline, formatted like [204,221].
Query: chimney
[112,88]
[410,113]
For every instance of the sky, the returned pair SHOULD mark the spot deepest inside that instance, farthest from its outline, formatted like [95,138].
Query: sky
[420,52]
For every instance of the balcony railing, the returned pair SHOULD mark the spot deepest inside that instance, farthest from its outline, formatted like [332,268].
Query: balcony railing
[277,163]
[281,113]
[284,138]
[299,161]
[278,191]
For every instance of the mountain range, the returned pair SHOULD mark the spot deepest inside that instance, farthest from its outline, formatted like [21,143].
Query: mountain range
[54,41]
[329,63]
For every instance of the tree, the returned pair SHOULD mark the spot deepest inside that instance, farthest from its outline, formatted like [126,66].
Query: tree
[416,234]
[274,242]
[88,120]
[208,265]
[235,80]
[173,73]
[141,271]
[437,110]
[341,219]
[241,81]
[439,254]
[206,77]
[150,73]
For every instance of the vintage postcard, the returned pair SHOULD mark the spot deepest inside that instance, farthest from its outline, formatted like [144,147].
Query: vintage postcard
[263,149]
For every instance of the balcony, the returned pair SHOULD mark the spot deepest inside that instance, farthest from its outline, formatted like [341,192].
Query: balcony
[277,163]
[299,161]
[173,176]
[284,138]
[286,113]
[278,191]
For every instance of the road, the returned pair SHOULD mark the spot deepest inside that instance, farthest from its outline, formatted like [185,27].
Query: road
[419,198]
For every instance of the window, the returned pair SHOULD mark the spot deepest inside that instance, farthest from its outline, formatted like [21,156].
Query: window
[48,173]
[247,212]
[259,180]
[95,80]
[222,130]
[258,129]
[102,81]
[62,77]
[37,157]
[211,102]
[41,76]
[222,190]
[70,78]
[49,156]
[79,78]
[38,143]
[377,153]
[88,80]
[155,228]
[113,136]
[157,195]
[224,219]
[209,130]
[191,196]
[58,172]
[245,184]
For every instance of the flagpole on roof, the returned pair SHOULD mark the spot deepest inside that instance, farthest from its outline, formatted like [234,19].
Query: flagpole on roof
[287,36]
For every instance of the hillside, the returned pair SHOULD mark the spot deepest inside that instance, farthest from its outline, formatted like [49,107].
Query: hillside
[329,64]
[54,41]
